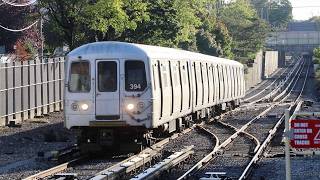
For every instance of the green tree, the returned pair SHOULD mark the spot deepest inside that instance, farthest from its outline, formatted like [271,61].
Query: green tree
[280,13]
[171,23]
[62,18]
[277,13]
[108,19]
[316,54]
[247,30]
[82,21]
[215,41]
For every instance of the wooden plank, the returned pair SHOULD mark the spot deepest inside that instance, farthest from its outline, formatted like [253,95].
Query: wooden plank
[62,82]
[38,93]
[3,97]
[10,95]
[25,90]
[53,170]
[56,85]
[17,92]
[45,87]
[32,89]
[51,87]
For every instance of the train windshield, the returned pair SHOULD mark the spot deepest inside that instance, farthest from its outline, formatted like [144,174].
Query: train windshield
[135,75]
[79,77]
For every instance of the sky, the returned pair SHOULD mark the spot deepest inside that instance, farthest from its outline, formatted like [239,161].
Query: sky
[305,9]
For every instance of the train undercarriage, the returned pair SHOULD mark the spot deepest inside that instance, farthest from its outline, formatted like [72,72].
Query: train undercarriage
[132,139]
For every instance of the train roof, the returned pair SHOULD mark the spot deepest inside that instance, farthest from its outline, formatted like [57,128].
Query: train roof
[99,50]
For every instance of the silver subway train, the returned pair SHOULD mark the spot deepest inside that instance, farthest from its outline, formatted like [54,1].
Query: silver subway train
[121,92]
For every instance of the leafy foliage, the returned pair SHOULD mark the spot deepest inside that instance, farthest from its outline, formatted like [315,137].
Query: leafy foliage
[193,25]
[280,13]
[277,13]
[316,53]
[247,30]
[17,18]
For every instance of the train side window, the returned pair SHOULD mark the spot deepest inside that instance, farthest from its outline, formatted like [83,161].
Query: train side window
[213,82]
[219,82]
[80,77]
[233,80]
[236,81]
[208,79]
[175,75]
[189,84]
[227,82]
[164,75]
[154,70]
[183,74]
[135,76]
[160,87]
[196,81]
[223,82]
[202,83]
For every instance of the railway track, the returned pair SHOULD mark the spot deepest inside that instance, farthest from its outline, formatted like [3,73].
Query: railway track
[271,92]
[221,134]
[263,89]
[227,161]
[79,166]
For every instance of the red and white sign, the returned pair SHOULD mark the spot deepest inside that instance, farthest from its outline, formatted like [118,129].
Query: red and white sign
[306,133]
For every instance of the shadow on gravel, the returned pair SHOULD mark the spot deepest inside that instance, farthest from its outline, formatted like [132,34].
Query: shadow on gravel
[21,145]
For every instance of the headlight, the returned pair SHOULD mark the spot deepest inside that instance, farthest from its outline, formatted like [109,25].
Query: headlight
[130,107]
[84,107]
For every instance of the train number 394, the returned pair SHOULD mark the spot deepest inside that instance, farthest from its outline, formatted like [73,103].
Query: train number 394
[135,86]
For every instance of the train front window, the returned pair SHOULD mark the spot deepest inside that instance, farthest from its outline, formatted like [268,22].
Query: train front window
[79,77]
[107,76]
[135,75]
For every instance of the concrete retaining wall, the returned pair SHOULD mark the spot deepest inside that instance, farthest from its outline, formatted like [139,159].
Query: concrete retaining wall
[270,63]
[254,71]
[264,65]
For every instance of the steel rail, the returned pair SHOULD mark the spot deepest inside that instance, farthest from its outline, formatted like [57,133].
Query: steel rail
[212,134]
[165,164]
[223,145]
[261,84]
[280,86]
[264,82]
[103,174]
[272,132]
[273,82]
[207,158]
[286,97]
[252,137]
[287,88]
[136,161]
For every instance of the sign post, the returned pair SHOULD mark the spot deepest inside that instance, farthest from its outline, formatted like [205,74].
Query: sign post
[287,145]
[301,133]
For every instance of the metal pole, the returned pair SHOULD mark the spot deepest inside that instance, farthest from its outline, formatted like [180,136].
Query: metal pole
[287,148]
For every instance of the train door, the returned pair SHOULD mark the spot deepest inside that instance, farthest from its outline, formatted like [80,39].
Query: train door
[107,90]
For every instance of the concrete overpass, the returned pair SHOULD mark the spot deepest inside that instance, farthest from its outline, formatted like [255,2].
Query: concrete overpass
[299,37]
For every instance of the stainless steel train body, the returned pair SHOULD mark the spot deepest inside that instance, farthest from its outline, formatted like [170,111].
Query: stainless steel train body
[114,87]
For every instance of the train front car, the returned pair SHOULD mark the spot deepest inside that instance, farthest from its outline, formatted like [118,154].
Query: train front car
[107,95]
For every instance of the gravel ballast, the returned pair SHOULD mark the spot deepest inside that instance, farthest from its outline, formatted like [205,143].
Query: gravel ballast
[20,145]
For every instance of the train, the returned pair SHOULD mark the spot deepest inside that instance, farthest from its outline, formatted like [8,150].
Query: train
[117,92]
